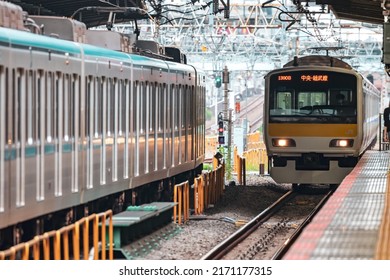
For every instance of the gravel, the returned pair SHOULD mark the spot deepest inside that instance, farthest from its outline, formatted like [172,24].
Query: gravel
[201,233]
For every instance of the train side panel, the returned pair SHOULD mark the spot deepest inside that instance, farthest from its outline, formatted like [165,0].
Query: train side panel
[39,134]
[81,124]
[5,153]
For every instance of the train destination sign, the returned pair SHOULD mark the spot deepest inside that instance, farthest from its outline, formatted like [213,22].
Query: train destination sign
[305,78]
[314,78]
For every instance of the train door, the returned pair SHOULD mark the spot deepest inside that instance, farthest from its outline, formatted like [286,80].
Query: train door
[137,114]
[91,106]
[107,131]
[174,125]
[188,103]
[114,128]
[160,123]
[122,129]
[152,132]
[168,126]
[5,96]
[16,141]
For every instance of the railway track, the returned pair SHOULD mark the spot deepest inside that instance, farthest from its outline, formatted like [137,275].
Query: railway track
[253,112]
[269,234]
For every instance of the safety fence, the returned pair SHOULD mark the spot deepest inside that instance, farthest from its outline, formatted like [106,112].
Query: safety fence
[240,167]
[255,152]
[207,190]
[181,198]
[211,145]
[64,244]
[256,159]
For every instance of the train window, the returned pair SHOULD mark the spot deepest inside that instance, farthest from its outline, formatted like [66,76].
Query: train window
[137,120]
[98,100]
[126,98]
[312,99]
[49,104]
[75,105]
[172,121]
[190,106]
[142,102]
[283,101]
[19,106]
[183,106]
[115,107]
[162,107]
[159,108]
[110,106]
[306,99]
[122,106]
[135,105]
[57,106]
[341,97]
[30,106]
[88,107]
[152,107]
[177,106]
[40,101]
[66,106]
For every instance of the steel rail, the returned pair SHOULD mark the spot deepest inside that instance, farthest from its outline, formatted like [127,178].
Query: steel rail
[289,242]
[222,248]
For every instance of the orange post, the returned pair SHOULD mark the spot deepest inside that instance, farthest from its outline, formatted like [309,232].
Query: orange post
[96,237]
[86,238]
[181,198]
[65,244]
[199,195]
[76,238]
[57,246]
[103,237]
[36,248]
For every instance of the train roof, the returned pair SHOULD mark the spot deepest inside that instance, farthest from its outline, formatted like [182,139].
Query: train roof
[317,60]
[17,38]
[23,39]
[68,29]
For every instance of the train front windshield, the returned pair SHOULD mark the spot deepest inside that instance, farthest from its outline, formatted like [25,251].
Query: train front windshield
[312,97]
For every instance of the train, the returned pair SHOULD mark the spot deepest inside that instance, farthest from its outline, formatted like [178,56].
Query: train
[90,120]
[320,116]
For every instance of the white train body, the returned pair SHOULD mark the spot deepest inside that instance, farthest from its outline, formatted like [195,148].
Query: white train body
[320,116]
[80,122]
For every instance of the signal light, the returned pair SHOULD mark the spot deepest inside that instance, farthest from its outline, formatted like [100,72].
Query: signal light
[220,128]
[221,137]
[218,81]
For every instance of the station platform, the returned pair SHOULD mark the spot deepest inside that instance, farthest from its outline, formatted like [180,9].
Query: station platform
[354,224]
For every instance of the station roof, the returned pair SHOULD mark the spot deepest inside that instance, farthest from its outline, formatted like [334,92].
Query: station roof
[91,12]
[369,11]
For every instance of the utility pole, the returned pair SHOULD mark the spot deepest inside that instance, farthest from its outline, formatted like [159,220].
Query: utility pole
[227,117]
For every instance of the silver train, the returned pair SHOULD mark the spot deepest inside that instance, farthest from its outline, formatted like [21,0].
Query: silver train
[320,116]
[84,117]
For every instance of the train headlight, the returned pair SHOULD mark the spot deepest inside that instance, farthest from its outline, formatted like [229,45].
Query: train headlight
[283,142]
[341,143]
